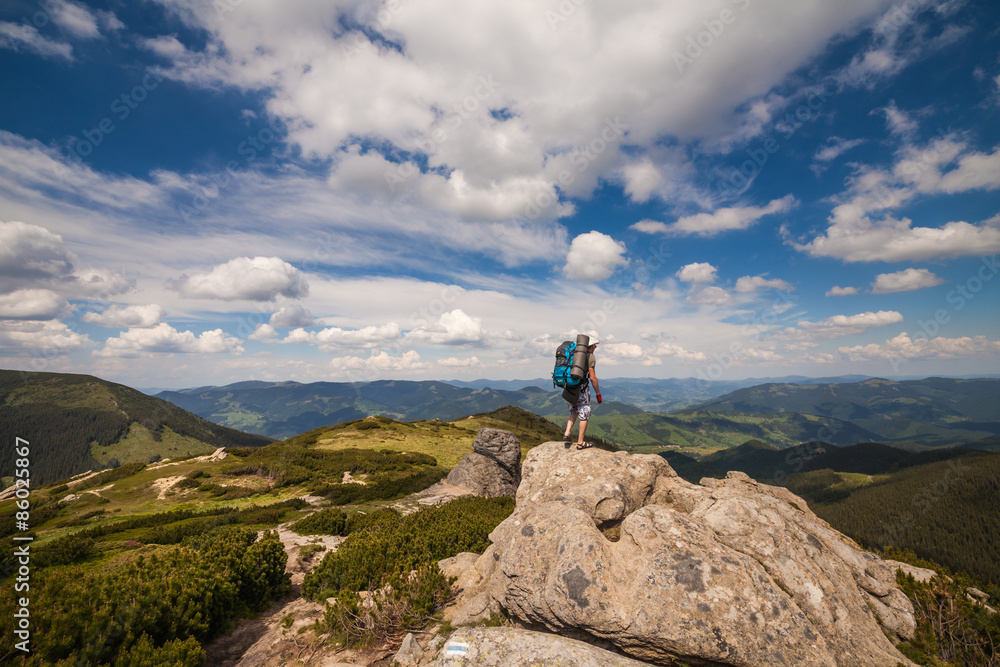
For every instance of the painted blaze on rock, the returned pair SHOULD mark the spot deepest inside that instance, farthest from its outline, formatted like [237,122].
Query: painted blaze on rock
[728,572]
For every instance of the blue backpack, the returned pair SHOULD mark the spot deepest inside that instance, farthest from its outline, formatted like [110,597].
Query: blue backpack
[564,362]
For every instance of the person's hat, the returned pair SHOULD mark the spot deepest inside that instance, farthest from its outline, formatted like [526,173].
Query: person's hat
[593,342]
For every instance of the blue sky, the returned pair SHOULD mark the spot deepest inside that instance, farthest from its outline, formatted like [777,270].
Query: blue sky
[204,192]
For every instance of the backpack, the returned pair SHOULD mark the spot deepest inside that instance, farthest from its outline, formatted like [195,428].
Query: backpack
[564,362]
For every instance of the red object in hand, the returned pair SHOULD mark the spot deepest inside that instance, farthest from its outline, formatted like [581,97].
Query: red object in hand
[598,398]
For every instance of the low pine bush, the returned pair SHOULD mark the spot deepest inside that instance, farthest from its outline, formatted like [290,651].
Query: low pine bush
[401,604]
[422,538]
[150,610]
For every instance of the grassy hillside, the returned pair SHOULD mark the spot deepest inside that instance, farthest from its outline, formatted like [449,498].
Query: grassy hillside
[447,442]
[147,563]
[933,412]
[79,422]
[156,560]
[945,511]
[702,432]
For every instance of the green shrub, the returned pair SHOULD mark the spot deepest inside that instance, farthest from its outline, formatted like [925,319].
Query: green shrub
[219,492]
[383,487]
[178,593]
[402,603]
[267,515]
[292,462]
[263,572]
[951,628]
[80,520]
[176,653]
[333,521]
[384,518]
[63,551]
[329,521]
[422,538]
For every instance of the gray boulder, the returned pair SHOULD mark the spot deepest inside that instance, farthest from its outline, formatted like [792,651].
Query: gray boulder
[409,654]
[494,467]
[511,647]
[729,572]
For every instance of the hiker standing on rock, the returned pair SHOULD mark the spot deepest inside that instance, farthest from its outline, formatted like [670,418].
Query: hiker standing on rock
[581,407]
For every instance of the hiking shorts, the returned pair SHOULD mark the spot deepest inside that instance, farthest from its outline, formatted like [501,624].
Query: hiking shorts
[582,408]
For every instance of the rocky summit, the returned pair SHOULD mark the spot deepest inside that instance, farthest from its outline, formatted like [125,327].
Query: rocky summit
[619,551]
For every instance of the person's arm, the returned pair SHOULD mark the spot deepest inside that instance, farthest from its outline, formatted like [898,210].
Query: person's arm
[593,381]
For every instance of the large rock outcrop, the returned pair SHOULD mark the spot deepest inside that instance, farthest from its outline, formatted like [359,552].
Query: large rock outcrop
[617,547]
[494,466]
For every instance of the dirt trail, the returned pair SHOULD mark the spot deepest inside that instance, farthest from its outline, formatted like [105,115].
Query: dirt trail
[263,640]
[282,634]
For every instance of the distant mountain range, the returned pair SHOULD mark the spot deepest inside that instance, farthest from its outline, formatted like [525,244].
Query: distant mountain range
[932,412]
[658,395]
[284,409]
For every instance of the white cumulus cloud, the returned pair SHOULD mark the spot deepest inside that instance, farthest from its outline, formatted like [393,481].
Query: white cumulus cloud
[905,347]
[698,272]
[31,256]
[292,315]
[841,291]
[642,179]
[710,296]
[941,166]
[594,256]
[455,362]
[128,317]
[452,328]
[44,339]
[333,338]
[905,281]
[753,283]
[838,326]
[255,279]
[31,252]
[164,339]
[378,364]
[560,86]
[33,304]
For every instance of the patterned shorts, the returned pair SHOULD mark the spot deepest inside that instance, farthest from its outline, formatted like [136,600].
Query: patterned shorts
[582,407]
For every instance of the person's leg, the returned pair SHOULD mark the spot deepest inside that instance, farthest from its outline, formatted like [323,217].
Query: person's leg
[583,412]
[569,426]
